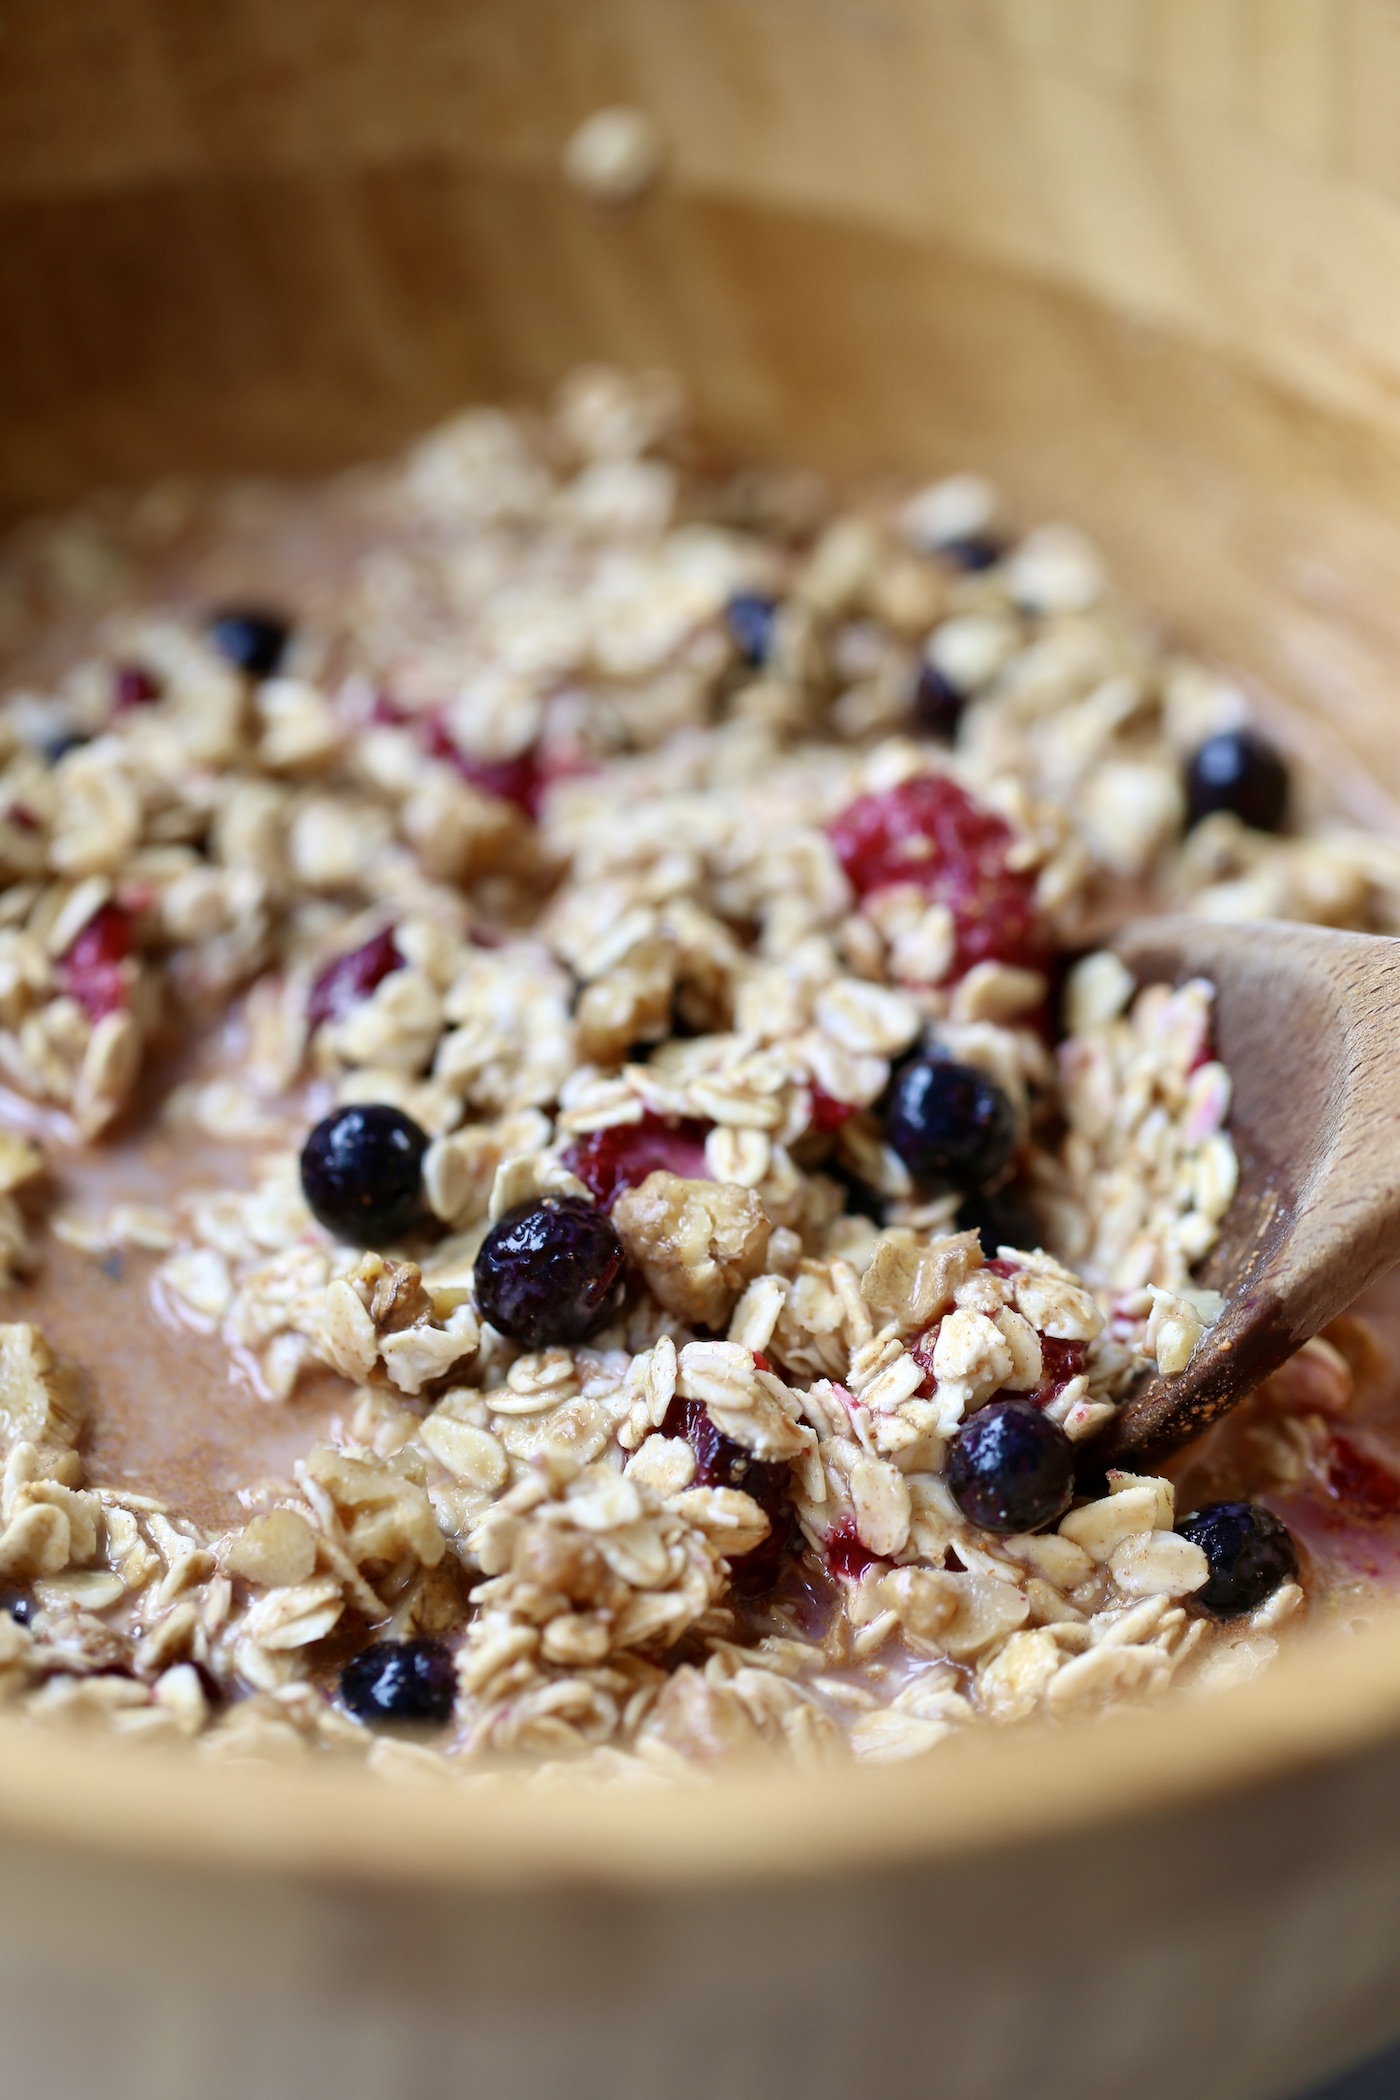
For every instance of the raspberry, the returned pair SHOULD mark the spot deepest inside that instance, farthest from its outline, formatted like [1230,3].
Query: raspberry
[1369,1491]
[518,780]
[133,686]
[720,1462]
[929,832]
[921,1349]
[1059,1363]
[609,1161]
[90,970]
[347,979]
[846,1552]
[828,1113]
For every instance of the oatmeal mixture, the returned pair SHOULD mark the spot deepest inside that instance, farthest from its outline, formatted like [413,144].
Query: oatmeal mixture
[566,1043]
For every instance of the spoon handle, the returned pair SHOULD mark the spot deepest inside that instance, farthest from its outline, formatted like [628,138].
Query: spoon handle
[1308,1022]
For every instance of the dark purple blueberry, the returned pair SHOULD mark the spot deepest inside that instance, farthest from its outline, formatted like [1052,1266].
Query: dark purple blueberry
[58,746]
[550,1271]
[1010,1468]
[974,550]
[750,616]
[938,705]
[1240,773]
[1006,1218]
[19,1607]
[251,641]
[400,1681]
[362,1173]
[208,1683]
[952,1126]
[1249,1553]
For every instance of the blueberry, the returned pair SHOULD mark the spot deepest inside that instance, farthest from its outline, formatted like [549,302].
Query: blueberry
[60,744]
[254,642]
[362,1173]
[750,616]
[550,1271]
[973,550]
[1010,1468]
[19,1607]
[400,1681]
[1239,772]
[1006,1218]
[938,705]
[1249,1553]
[951,1125]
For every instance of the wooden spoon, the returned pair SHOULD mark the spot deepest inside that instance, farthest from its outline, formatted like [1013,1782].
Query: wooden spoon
[1308,1021]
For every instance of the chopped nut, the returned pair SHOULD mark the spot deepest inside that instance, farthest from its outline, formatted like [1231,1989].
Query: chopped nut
[697,1243]
[911,1281]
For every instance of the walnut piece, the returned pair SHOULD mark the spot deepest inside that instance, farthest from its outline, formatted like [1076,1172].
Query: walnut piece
[697,1243]
[912,1281]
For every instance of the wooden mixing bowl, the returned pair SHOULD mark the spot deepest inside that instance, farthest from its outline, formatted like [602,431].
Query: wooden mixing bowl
[1140,259]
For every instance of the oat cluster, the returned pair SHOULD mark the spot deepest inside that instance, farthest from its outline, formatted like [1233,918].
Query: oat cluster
[523,839]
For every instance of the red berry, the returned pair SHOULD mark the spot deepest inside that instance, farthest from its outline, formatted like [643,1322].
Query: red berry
[929,832]
[921,1349]
[1368,1490]
[609,1161]
[720,1462]
[1059,1363]
[846,1552]
[90,970]
[348,979]
[134,686]
[385,712]
[518,780]
[828,1113]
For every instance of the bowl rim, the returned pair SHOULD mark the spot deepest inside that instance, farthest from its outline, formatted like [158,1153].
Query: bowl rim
[1336,1694]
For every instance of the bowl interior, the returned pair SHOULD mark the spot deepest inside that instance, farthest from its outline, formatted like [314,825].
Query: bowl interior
[1120,271]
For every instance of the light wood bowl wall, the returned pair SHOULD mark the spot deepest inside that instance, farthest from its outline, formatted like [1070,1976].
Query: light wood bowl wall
[1139,258]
